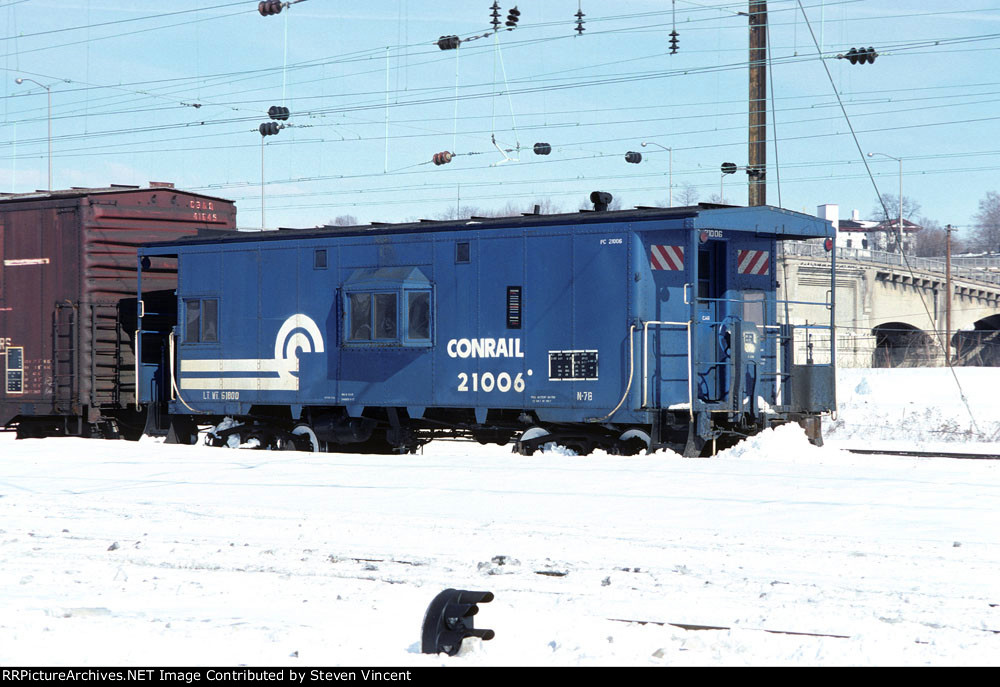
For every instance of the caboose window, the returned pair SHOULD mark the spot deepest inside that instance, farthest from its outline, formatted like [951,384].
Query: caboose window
[319,259]
[385,316]
[419,315]
[192,323]
[361,317]
[387,306]
[462,251]
[201,320]
[753,307]
[210,320]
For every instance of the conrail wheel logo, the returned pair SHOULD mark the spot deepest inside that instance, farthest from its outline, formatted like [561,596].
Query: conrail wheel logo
[298,334]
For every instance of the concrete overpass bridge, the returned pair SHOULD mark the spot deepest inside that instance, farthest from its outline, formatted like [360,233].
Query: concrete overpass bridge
[892,312]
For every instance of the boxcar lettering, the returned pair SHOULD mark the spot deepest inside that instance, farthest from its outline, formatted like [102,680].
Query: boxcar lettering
[5,342]
[484,348]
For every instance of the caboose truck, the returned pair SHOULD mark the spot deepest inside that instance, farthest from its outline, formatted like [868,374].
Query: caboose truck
[625,331]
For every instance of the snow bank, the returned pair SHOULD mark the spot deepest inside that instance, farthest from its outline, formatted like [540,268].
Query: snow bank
[120,553]
[924,407]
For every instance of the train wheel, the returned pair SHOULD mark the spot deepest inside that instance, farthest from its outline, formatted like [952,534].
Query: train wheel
[306,438]
[633,442]
[531,440]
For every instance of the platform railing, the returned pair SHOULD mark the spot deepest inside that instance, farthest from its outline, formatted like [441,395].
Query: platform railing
[645,359]
[960,267]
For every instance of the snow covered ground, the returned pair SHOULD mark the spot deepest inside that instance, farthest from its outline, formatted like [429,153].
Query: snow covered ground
[115,553]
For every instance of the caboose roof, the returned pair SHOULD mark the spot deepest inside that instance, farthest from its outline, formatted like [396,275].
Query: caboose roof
[761,221]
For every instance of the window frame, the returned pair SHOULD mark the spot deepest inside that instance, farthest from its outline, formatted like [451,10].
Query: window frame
[201,320]
[402,337]
[758,301]
[408,337]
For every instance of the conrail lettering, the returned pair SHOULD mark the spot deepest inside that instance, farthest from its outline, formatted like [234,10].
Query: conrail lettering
[484,348]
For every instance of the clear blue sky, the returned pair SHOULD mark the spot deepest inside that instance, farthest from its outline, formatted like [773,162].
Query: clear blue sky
[175,92]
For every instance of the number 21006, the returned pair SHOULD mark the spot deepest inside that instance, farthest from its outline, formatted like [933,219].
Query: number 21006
[487,381]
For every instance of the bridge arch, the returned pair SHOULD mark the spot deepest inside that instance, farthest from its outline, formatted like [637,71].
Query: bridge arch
[980,346]
[898,344]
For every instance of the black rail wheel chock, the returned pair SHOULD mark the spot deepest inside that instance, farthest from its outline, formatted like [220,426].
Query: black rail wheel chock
[449,620]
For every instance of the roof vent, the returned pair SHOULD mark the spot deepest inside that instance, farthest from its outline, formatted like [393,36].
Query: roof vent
[601,200]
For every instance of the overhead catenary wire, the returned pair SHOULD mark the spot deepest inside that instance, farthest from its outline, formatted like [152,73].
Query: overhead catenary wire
[981,37]
[507,44]
[881,200]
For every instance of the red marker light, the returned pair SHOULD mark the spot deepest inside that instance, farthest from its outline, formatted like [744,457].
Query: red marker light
[703,236]
[828,244]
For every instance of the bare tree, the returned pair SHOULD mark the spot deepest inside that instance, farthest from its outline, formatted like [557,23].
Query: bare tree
[546,206]
[462,212]
[687,195]
[986,236]
[931,240]
[344,221]
[890,211]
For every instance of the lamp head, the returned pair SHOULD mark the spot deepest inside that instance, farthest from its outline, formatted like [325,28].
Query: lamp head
[19,81]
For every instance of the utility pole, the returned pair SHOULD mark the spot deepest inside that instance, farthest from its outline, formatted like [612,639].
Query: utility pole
[947,288]
[262,225]
[757,154]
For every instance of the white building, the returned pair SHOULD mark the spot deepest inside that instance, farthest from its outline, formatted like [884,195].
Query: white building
[868,234]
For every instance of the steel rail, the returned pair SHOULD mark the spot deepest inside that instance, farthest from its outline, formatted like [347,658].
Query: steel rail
[925,454]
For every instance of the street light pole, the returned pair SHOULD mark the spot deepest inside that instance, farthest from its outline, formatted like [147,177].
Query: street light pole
[670,183]
[900,220]
[48,90]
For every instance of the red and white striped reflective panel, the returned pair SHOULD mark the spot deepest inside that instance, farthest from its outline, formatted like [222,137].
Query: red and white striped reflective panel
[666,257]
[753,261]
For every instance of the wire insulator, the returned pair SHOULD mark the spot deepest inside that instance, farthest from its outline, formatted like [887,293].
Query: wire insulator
[269,7]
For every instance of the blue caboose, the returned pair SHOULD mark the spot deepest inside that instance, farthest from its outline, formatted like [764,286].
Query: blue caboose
[626,331]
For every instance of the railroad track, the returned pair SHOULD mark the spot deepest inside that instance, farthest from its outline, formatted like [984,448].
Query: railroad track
[926,454]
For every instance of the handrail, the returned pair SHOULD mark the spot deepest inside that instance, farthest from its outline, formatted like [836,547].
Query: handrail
[631,372]
[878,257]
[175,392]
[138,355]
[645,360]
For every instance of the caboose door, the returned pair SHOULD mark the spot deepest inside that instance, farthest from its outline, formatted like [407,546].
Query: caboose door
[712,345]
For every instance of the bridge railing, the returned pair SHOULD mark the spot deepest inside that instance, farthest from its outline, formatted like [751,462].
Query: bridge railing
[975,272]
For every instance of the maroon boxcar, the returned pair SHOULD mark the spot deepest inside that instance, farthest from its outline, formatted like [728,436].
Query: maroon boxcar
[68,297]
